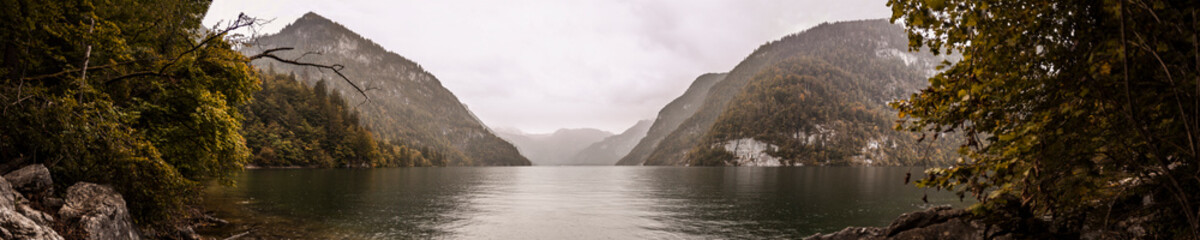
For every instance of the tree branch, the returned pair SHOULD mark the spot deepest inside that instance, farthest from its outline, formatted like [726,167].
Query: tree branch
[133,75]
[242,21]
[1187,122]
[64,72]
[271,51]
[336,68]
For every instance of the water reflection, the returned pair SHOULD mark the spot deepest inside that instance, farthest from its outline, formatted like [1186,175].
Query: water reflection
[337,203]
[779,202]
[564,202]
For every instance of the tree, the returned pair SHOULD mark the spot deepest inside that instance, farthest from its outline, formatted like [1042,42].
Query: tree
[122,93]
[136,94]
[292,124]
[1078,114]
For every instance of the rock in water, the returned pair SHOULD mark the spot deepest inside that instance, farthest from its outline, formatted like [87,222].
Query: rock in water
[925,218]
[30,179]
[99,211]
[951,229]
[930,224]
[850,233]
[14,223]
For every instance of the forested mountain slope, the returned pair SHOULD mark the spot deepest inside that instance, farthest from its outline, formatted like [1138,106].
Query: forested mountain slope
[816,97]
[291,124]
[407,105]
[611,149]
[671,116]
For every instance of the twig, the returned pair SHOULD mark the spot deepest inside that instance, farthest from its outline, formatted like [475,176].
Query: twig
[242,21]
[239,235]
[87,56]
[306,54]
[51,75]
[133,75]
[336,68]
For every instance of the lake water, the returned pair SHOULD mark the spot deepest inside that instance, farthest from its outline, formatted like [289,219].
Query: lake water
[564,202]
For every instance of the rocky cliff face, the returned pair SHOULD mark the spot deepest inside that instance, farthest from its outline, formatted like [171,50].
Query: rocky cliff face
[611,149]
[406,103]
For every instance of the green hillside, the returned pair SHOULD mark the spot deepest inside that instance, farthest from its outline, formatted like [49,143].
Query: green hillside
[816,97]
[291,124]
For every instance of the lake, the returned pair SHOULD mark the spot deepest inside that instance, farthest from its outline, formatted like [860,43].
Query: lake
[564,202]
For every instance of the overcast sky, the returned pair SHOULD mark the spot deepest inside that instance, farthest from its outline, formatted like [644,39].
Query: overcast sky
[541,65]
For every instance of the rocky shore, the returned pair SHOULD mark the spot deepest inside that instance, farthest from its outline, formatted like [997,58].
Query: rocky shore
[28,209]
[934,223]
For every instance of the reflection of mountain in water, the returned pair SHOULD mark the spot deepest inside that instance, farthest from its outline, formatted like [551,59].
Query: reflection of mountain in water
[780,203]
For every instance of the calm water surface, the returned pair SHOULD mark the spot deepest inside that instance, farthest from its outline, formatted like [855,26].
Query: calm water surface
[564,202]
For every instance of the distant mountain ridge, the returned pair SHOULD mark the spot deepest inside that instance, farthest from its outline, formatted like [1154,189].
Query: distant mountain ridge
[815,97]
[611,149]
[556,148]
[407,104]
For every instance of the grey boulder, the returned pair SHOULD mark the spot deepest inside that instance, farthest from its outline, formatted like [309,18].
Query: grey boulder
[18,221]
[99,211]
[30,179]
[930,224]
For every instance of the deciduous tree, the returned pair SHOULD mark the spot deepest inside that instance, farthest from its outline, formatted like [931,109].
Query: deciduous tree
[1078,114]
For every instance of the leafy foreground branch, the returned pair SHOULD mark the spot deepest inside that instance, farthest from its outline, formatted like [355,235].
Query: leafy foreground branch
[1082,117]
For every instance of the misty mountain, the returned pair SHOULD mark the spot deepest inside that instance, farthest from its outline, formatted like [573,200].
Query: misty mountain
[556,148]
[671,116]
[611,149]
[815,97]
[406,103]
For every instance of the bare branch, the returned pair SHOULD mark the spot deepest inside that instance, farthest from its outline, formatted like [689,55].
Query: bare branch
[87,56]
[241,22]
[133,75]
[306,54]
[1187,125]
[336,68]
[269,52]
[64,72]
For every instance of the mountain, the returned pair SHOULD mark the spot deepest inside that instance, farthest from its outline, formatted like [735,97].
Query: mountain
[671,116]
[406,103]
[815,97]
[611,149]
[556,148]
